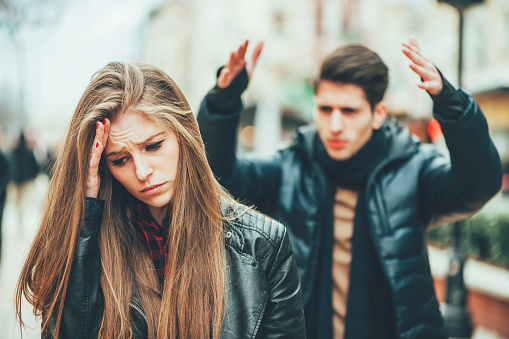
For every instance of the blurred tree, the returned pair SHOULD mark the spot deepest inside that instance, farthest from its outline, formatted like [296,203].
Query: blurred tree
[18,19]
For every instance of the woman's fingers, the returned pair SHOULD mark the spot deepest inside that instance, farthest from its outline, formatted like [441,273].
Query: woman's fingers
[107,124]
[93,179]
[99,131]
[95,159]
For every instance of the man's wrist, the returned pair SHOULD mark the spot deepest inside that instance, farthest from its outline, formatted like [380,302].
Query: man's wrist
[448,103]
[224,100]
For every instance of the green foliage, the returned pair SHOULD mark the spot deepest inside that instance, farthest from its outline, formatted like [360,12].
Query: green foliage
[484,237]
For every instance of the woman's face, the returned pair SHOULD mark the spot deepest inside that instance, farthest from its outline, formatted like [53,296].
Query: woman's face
[143,157]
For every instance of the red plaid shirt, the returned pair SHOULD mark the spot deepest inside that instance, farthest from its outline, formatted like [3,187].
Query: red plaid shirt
[155,238]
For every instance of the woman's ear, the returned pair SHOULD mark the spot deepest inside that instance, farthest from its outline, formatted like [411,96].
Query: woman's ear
[379,115]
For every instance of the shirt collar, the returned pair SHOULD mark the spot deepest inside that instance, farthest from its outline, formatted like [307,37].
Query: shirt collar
[146,221]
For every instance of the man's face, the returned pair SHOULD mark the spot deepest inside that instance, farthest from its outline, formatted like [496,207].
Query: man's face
[344,118]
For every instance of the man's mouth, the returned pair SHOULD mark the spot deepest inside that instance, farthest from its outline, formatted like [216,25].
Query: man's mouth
[336,143]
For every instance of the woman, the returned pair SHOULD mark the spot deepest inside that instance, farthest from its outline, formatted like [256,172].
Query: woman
[139,240]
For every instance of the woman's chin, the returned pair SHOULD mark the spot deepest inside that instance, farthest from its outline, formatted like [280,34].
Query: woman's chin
[159,201]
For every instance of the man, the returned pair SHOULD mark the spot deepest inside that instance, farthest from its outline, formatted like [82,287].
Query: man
[24,172]
[357,192]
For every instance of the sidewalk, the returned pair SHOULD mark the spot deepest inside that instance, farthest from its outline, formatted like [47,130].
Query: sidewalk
[17,235]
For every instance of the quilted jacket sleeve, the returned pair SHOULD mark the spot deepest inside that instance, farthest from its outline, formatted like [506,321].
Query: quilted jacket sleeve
[456,189]
[251,180]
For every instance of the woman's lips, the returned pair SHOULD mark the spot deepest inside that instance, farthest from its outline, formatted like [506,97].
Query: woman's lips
[336,144]
[154,189]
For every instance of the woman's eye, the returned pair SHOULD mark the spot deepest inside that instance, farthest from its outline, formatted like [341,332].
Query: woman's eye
[155,146]
[119,162]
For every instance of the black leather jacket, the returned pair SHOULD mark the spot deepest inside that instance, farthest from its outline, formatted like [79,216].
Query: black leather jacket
[414,187]
[264,298]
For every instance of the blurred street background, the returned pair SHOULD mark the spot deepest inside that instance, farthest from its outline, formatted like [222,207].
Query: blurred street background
[49,50]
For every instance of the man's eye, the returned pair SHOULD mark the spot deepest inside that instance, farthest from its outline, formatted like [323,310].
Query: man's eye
[119,162]
[325,109]
[155,146]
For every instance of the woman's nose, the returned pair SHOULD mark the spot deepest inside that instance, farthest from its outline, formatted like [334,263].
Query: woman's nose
[143,168]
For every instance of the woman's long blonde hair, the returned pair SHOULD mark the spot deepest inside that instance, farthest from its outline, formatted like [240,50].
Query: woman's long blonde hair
[191,304]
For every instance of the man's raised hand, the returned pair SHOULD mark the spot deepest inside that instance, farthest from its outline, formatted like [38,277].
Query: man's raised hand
[237,62]
[431,79]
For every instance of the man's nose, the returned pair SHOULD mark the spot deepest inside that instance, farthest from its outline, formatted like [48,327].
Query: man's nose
[336,121]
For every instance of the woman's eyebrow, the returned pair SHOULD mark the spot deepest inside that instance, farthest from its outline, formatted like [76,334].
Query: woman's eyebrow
[148,139]
[136,143]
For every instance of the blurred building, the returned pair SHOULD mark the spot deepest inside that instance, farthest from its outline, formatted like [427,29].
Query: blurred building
[485,55]
[191,39]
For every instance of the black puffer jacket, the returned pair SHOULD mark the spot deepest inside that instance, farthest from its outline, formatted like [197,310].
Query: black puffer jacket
[264,298]
[413,188]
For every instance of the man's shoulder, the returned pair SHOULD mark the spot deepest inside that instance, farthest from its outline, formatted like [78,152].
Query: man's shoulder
[403,141]
[303,143]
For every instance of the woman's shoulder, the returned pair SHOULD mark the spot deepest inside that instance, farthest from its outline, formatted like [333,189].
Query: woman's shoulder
[252,233]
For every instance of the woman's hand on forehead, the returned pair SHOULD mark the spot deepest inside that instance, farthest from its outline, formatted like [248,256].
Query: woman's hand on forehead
[102,129]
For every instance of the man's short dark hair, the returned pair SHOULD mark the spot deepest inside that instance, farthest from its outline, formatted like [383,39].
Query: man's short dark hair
[358,65]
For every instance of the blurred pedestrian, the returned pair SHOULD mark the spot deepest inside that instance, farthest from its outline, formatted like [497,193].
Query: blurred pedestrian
[138,240]
[4,180]
[49,164]
[357,192]
[24,171]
